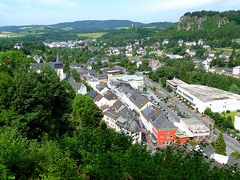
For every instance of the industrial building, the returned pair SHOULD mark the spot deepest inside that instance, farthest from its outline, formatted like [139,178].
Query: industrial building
[203,97]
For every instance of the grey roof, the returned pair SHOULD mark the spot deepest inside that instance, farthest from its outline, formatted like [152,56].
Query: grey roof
[101,86]
[118,105]
[92,73]
[232,161]
[102,76]
[69,78]
[209,150]
[76,85]
[92,94]
[162,123]
[151,113]
[121,120]
[111,113]
[138,99]
[208,94]
[123,116]
[110,96]
[124,87]
[114,70]
[55,65]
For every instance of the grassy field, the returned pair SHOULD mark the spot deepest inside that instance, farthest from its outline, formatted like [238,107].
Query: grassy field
[91,35]
[226,50]
[10,35]
[231,114]
[6,34]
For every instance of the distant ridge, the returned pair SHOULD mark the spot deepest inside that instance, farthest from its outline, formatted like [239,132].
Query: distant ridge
[86,26]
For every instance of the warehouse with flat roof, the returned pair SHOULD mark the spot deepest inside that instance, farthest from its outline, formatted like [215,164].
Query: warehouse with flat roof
[203,97]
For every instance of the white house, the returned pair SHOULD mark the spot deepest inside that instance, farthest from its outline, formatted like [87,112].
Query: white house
[193,128]
[237,122]
[80,88]
[165,41]
[236,70]
[136,82]
[98,98]
[120,118]
[174,56]
[189,43]
[18,46]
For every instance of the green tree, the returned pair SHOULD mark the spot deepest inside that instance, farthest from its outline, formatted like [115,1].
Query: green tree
[220,145]
[13,61]
[85,112]
[236,154]
[37,103]
[75,75]
[50,161]
[164,81]
[234,89]
[13,154]
[138,163]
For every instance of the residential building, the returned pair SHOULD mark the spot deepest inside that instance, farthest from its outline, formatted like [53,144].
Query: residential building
[18,46]
[165,42]
[224,56]
[174,56]
[80,88]
[194,128]
[189,43]
[164,131]
[120,118]
[154,64]
[98,98]
[136,82]
[110,97]
[38,59]
[236,70]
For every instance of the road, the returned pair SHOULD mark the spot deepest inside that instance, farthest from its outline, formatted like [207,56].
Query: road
[232,144]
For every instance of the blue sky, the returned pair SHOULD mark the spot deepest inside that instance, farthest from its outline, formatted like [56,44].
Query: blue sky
[24,12]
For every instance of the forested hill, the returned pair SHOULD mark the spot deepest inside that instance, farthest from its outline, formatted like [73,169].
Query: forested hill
[85,26]
[208,19]
[212,26]
[91,25]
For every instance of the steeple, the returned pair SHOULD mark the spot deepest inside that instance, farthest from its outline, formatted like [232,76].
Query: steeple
[57,60]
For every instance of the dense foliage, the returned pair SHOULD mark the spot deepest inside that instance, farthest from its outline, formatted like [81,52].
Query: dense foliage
[184,70]
[221,122]
[220,145]
[47,132]
[217,29]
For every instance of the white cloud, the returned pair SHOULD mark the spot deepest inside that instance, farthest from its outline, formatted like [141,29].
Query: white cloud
[154,6]
[50,3]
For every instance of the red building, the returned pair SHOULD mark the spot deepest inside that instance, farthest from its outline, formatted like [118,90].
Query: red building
[164,131]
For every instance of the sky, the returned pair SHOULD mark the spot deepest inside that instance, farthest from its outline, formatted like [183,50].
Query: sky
[29,12]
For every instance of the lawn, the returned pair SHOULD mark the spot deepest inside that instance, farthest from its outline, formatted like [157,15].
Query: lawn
[226,50]
[11,35]
[231,114]
[6,34]
[91,35]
